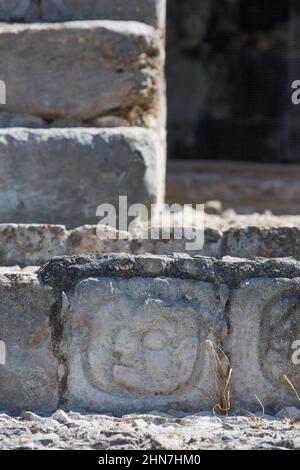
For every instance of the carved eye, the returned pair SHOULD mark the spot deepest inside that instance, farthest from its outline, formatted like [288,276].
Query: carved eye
[155,340]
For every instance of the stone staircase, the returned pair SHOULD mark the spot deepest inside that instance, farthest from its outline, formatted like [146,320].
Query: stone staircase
[84,119]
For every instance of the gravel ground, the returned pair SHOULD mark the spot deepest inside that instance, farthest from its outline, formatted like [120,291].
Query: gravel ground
[150,431]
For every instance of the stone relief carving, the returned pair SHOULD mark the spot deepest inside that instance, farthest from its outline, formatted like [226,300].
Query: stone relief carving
[265,322]
[152,350]
[137,339]
[280,327]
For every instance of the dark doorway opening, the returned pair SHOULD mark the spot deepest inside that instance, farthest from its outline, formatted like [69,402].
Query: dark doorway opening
[230,65]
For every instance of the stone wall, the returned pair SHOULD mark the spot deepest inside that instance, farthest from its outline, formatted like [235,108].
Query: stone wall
[230,65]
[30,245]
[126,334]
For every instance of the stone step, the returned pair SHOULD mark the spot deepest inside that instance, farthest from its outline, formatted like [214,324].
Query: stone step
[83,70]
[23,245]
[65,333]
[147,11]
[60,176]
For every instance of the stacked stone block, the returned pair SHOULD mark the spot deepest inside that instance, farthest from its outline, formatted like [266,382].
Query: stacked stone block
[90,66]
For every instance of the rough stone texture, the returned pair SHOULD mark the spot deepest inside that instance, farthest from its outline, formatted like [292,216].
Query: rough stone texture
[155,431]
[148,11]
[29,379]
[241,242]
[27,245]
[82,70]
[264,319]
[84,240]
[251,242]
[63,272]
[139,344]
[62,175]
[212,243]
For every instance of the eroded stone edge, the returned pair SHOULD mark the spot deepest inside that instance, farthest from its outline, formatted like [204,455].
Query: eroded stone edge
[64,272]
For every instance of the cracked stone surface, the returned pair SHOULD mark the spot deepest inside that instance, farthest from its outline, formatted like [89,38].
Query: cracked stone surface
[148,431]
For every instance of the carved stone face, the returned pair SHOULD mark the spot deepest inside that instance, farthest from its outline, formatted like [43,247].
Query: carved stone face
[139,343]
[147,348]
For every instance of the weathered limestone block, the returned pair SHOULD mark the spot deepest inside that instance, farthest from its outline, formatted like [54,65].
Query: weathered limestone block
[26,245]
[211,247]
[265,323]
[251,242]
[64,272]
[84,240]
[62,175]
[139,344]
[29,378]
[83,70]
[147,11]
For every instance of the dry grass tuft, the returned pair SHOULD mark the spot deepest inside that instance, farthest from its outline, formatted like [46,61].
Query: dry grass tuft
[256,421]
[292,421]
[292,387]
[222,380]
